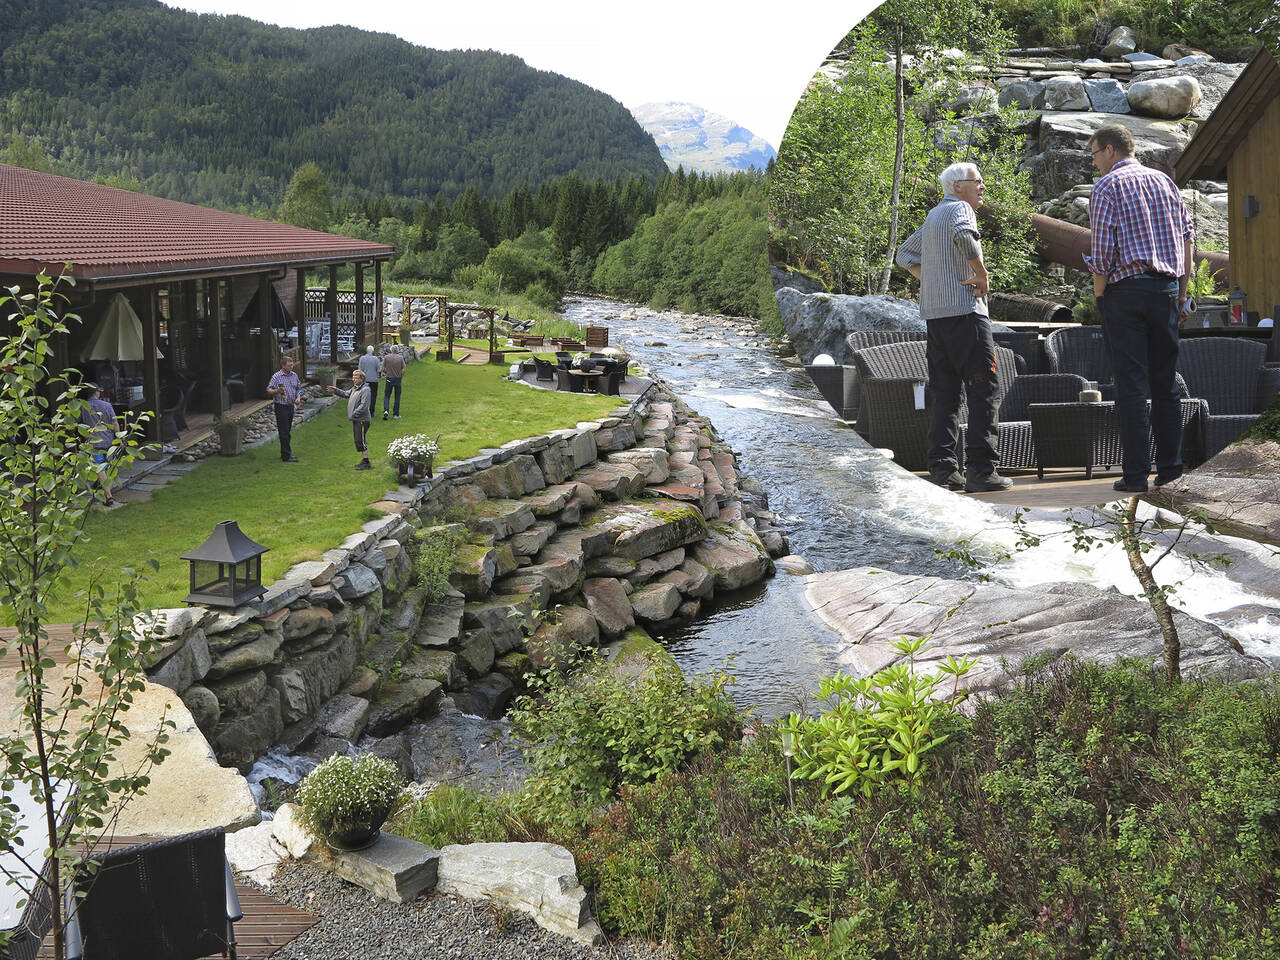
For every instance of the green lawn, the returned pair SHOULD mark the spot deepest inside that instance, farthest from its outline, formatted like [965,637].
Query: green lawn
[299,510]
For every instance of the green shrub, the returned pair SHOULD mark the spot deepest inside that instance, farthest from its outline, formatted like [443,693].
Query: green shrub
[434,562]
[601,728]
[876,726]
[1087,812]
[450,814]
[344,794]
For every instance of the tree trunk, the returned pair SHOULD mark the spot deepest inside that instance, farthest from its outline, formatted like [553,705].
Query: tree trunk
[1155,596]
[900,114]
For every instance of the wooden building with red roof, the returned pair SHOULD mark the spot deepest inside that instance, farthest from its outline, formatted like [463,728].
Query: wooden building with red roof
[212,294]
[1240,143]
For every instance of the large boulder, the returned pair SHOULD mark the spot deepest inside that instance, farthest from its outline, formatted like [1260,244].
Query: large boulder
[1023,95]
[538,879]
[1059,152]
[872,608]
[734,555]
[1106,95]
[1065,93]
[1166,98]
[646,529]
[817,323]
[1120,41]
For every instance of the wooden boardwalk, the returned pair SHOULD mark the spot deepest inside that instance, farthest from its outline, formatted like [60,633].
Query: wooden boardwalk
[267,924]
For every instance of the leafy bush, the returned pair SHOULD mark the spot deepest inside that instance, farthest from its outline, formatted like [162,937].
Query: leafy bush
[875,726]
[450,814]
[1087,812]
[344,794]
[601,728]
[433,563]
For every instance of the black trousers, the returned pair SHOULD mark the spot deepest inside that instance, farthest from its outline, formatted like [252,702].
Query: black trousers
[284,424]
[962,357]
[1140,326]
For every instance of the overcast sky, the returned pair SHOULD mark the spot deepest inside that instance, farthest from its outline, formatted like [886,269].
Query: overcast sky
[746,61]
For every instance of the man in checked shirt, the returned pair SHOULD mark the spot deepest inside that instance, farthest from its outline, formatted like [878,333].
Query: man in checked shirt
[1142,247]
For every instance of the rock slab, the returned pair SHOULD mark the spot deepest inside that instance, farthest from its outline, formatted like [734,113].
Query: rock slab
[538,879]
[394,868]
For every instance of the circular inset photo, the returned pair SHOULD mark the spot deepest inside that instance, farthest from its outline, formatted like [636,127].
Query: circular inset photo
[1031,257]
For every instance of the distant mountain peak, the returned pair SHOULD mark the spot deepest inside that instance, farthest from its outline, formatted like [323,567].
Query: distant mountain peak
[692,137]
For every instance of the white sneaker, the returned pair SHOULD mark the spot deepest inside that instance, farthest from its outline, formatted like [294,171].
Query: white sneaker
[397,417]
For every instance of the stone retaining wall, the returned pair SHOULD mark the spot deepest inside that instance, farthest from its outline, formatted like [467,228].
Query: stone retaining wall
[629,522]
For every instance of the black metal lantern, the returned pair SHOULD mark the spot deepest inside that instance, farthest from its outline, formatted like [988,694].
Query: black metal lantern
[226,570]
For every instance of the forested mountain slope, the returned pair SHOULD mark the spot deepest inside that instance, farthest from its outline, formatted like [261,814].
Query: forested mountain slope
[222,110]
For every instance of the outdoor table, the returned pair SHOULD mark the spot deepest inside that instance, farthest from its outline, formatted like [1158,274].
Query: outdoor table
[1237,330]
[1085,435]
[589,378]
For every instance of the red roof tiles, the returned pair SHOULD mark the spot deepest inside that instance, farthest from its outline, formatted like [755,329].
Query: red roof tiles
[47,221]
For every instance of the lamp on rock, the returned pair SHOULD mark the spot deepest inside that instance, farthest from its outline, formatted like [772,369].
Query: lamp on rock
[226,570]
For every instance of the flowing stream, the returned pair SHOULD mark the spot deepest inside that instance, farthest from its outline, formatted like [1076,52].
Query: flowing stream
[843,505]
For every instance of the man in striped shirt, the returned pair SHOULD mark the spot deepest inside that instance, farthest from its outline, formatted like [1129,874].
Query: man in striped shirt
[945,255]
[1141,251]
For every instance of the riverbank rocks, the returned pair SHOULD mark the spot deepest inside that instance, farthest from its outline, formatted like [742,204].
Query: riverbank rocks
[872,608]
[537,879]
[560,540]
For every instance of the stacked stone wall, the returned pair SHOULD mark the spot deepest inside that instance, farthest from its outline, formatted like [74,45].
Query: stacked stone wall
[566,540]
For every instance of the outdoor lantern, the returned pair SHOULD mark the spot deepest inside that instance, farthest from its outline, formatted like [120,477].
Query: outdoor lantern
[226,570]
[1236,303]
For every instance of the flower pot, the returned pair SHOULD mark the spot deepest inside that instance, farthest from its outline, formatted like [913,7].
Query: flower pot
[325,376]
[349,840]
[231,439]
[405,331]
[413,472]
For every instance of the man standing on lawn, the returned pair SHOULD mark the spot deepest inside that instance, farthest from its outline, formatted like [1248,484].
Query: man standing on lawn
[359,412]
[1141,252]
[945,255]
[372,368]
[285,389]
[393,372]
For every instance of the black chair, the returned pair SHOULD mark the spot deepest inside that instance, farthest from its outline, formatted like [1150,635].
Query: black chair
[174,418]
[1230,375]
[1083,351]
[607,383]
[567,381]
[563,356]
[171,898]
[543,369]
[1026,346]
[34,924]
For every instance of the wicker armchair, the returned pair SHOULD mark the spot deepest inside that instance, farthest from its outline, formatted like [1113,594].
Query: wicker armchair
[1083,351]
[890,375]
[171,898]
[33,925]
[544,369]
[1230,376]
[567,381]
[841,386]
[1027,347]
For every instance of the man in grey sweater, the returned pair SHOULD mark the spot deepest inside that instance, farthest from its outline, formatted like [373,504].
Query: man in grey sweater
[359,412]
[945,255]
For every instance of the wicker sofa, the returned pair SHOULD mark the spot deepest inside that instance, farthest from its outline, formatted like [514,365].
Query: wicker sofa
[890,375]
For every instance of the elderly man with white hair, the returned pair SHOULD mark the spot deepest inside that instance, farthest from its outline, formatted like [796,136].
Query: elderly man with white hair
[945,255]
[372,368]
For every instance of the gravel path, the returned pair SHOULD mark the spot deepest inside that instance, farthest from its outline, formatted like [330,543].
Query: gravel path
[354,923]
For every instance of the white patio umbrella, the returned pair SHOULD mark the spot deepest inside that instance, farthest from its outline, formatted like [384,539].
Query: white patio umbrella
[119,334]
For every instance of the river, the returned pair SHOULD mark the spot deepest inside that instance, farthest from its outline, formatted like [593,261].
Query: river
[843,505]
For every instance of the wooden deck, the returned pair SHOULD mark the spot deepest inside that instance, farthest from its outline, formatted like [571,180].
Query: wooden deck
[1058,490]
[267,924]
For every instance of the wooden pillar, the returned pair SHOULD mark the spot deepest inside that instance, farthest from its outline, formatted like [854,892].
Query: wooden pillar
[301,318]
[150,367]
[270,360]
[219,378]
[493,340]
[360,337]
[331,304]
[442,316]
[377,300]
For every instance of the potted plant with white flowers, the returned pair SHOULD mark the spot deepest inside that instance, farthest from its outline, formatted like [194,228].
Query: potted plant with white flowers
[412,456]
[345,800]
[583,361]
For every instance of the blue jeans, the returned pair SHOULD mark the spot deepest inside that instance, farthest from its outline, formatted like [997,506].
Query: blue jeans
[1140,325]
[391,383]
